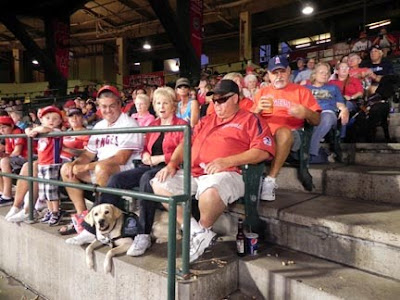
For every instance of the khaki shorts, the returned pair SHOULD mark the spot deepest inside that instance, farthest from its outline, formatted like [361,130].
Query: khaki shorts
[230,185]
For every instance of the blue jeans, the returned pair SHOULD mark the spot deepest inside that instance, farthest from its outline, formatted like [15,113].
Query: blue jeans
[351,106]
[328,121]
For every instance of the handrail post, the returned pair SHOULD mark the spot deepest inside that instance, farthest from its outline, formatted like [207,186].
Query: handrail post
[171,248]
[30,174]
[187,206]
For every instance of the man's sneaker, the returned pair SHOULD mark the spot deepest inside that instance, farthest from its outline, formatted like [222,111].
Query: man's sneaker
[13,210]
[268,189]
[199,242]
[46,217]
[85,237]
[4,202]
[55,218]
[22,216]
[140,244]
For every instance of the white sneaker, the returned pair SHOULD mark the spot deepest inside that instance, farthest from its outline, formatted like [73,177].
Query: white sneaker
[331,157]
[22,216]
[194,226]
[40,205]
[199,242]
[85,237]
[268,189]
[140,244]
[13,210]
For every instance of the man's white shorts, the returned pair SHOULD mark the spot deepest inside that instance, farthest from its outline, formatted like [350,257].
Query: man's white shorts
[230,185]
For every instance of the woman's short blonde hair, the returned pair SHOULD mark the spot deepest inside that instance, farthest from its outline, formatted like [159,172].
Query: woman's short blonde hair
[167,93]
[144,98]
[314,71]
[233,75]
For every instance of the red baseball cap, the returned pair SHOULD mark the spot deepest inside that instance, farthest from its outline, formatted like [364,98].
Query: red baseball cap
[48,109]
[6,120]
[109,88]
[69,104]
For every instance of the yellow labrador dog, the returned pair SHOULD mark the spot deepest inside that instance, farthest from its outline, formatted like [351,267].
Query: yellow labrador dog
[160,228]
[108,221]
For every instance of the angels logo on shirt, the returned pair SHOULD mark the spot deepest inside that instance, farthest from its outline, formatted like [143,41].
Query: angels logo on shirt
[107,140]
[42,144]
[267,141]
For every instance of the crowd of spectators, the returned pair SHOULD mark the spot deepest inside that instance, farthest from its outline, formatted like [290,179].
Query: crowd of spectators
[235,120]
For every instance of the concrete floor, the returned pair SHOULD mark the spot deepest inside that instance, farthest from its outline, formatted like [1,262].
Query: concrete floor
[11,289]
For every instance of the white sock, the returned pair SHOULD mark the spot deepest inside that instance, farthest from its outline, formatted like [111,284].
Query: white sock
[202,227]
[270,178]
[194,225]
[6,197]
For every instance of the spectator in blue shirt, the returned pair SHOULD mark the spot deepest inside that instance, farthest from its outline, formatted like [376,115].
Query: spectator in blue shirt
[330,100]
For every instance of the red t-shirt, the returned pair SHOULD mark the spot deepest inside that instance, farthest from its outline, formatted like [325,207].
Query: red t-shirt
[201,97]
[49,150]
[213,138]
[12,142]
[283,100]
[353,86]
[127,107]
[358,72]
[73,142]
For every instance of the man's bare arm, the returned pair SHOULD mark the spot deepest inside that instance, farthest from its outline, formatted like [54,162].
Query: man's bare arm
[251,156]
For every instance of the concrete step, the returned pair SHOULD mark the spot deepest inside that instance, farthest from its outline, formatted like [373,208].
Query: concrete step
[376,154]
[38,256]
[394,131]
[394,119]
[355,233]
[379,184]
[371,183]
[268,276]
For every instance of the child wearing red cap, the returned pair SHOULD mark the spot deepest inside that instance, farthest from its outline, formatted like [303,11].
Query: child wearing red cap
[49,161]
[16,151]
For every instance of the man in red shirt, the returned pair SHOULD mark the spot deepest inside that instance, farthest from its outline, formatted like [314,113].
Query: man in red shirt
[16,150]
[285,106]
[221,143]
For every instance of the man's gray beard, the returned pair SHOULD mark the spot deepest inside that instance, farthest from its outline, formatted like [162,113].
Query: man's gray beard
[280,84]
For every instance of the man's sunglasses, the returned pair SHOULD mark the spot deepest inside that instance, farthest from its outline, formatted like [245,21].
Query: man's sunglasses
[221,100]
[183,87]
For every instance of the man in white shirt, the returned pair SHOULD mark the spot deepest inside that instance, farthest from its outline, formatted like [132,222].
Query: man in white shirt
[114,152]
[363,44]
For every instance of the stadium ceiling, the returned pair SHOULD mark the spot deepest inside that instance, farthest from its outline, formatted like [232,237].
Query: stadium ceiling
[100,22]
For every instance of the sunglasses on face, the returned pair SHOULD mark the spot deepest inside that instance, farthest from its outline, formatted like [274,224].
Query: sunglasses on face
[183,87]
[221,100]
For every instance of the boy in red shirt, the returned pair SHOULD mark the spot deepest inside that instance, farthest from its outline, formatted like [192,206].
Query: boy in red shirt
[16,153]
[49,161]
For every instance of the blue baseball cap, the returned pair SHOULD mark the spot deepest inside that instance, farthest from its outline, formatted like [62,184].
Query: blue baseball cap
[277,62]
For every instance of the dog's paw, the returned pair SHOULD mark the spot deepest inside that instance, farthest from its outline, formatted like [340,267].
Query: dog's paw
[90,263]
[107,266]
[161,240]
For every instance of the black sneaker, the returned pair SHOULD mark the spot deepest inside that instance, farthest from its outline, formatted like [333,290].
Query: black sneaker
[4,202]
[55,218]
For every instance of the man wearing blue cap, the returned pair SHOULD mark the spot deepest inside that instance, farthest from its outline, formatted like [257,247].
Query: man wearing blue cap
[285,106]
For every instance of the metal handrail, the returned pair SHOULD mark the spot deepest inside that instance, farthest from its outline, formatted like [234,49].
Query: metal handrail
[173,201]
